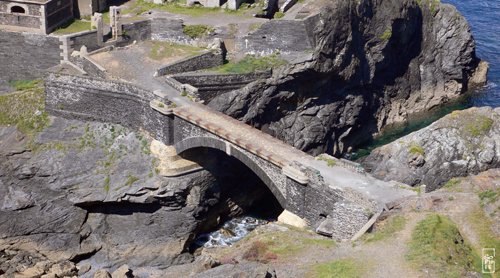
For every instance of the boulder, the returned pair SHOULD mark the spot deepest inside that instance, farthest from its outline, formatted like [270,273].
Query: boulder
[462,143]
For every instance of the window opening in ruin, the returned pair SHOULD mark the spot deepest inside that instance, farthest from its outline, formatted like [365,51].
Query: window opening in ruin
[17,10]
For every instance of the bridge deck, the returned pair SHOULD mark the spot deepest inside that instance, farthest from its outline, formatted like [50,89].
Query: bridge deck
[241,134]
[282,154]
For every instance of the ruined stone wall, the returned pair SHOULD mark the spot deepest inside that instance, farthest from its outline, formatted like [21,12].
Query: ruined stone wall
[25,56]
[284,36]
[137,31]
[211,85]
[165,29]
[90,68]
[30,19]
[203,61]
[87,38]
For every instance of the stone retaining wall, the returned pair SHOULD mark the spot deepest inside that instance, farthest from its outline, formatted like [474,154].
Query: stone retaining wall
[87,65]
[205,60]
[211,85]
[86,98]
[87,38]
[284,36]
[169,30]
[137,31]
[25,56]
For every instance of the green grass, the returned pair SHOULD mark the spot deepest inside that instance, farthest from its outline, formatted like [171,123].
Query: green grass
[23,85]
[286,244]
[25,110]
[278,15]
[489,196]
[163,50]
[177,7]
[251,64]
[481,224]
[414,148]
[479,126]
[197,30]
[386,35]
[386,229]
[437,247]
[73,26]
[346,268]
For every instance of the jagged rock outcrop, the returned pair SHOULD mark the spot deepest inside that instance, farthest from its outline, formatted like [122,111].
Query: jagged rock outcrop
[375,63]
[88,193]
[460,144]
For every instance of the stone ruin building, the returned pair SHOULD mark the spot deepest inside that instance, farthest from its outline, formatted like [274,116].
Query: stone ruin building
[39,16]
[44,16]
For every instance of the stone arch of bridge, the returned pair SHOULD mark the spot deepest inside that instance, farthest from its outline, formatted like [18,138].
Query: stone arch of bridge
[214,143]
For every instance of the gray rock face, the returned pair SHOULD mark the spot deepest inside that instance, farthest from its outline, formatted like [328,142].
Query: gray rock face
[89,193]
[375,63]
[462,143]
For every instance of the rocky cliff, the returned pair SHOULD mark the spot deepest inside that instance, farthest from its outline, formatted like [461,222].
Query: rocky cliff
[87,194]
[460,144]
[375,63]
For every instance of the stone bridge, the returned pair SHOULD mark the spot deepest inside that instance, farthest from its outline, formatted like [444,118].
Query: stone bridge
[346,198]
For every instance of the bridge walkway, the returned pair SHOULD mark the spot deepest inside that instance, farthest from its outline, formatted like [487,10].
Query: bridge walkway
[282,154]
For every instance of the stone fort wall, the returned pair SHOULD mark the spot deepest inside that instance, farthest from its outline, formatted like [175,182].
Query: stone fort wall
[210,85]
[26,56]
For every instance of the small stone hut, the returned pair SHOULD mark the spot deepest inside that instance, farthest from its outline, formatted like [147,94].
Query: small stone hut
[39,16]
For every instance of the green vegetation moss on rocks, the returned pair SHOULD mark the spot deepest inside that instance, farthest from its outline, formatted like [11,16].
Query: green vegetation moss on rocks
[479,126]
[438,247]
[24,109]
[252,64]
[415,148]
[386,35]
[163,50]
[197,30]
[387,228]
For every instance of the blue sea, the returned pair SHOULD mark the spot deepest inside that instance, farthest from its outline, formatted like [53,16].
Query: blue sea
[484,18]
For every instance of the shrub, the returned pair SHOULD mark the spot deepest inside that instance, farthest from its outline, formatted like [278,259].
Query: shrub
[414,148]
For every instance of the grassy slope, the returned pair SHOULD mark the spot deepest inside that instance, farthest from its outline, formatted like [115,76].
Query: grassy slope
[438,247]
[25,108]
